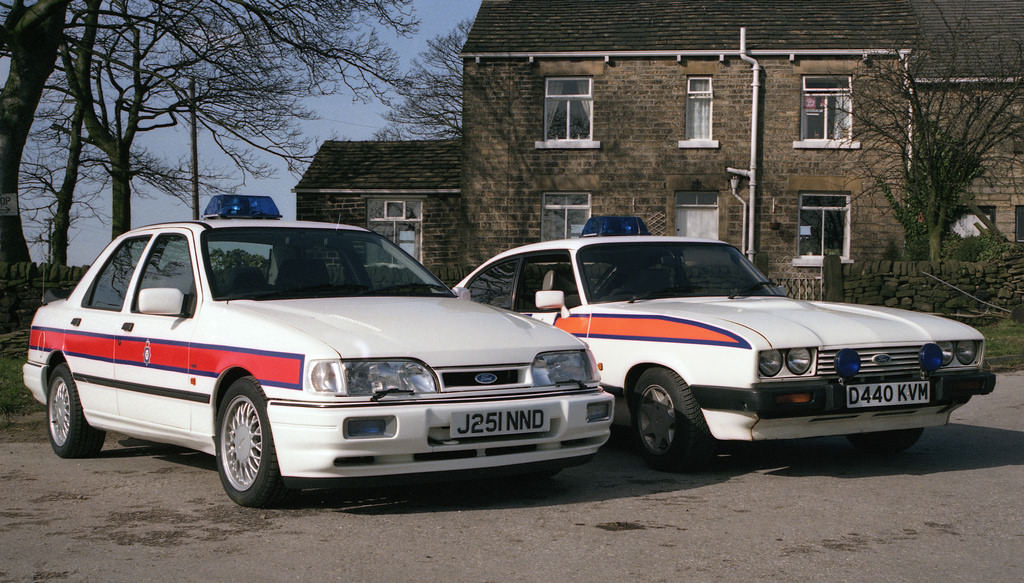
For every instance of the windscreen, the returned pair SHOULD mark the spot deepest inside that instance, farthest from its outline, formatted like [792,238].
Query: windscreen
[634,271]
[265,263]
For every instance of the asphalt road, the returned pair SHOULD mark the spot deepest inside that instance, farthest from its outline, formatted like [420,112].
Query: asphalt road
[950,509]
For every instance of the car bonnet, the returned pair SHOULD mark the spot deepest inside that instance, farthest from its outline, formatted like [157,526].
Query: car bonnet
[441,332]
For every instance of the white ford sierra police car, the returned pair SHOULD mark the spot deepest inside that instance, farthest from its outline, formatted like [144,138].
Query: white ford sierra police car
[699,346]
[298,353]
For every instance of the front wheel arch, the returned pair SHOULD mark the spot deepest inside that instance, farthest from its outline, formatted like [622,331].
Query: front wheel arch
[668,425]
[244,441]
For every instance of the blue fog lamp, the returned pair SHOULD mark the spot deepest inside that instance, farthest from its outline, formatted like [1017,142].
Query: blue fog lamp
[931,357]
[231,206]
[614,226]
[847,363]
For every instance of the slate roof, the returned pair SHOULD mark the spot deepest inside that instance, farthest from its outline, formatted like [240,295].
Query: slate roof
[418,165]
[544,26]
[976,37]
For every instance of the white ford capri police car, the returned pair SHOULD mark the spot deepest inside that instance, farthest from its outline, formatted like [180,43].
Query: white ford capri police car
[701,347]
[298,353]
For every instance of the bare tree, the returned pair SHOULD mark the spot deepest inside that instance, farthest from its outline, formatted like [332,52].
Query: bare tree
[28,38]
[939,120]
[431,93]
[129,63]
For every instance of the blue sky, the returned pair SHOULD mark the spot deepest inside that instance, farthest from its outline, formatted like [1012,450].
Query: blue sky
[341,118]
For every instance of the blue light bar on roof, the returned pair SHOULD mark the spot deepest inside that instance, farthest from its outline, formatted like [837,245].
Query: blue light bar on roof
[614,226]
[241,206]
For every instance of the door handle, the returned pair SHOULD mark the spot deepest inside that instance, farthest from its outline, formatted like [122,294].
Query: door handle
[76,322]
[127,326]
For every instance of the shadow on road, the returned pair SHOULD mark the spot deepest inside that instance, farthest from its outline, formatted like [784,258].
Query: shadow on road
[617,472]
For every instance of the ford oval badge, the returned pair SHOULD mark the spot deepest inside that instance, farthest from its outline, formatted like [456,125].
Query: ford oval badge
[485,378]
[881,358]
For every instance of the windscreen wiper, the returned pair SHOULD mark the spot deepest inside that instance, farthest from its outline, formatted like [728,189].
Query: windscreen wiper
[752,288]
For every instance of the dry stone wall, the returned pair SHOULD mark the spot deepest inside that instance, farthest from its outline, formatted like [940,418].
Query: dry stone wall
[22,286]
[947,287]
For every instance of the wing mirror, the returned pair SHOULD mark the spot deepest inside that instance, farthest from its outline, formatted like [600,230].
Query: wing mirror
[161,301]
[552,299]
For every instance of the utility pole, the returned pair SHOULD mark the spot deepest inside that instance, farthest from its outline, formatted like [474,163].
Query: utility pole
[195,148]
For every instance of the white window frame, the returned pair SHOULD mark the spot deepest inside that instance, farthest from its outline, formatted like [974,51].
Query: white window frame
[417,222]
[816,260]
[693,96]
[844,141]
[550,101]
[564,208]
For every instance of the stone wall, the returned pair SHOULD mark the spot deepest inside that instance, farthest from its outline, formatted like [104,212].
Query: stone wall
[947,287]
[22,286]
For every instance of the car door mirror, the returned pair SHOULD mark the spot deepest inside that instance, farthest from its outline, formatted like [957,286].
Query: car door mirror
[161,301]
[551,299]
[462,293]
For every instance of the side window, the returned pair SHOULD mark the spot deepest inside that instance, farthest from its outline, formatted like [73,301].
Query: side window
[564,215]
[825,109]
[400,221]
[170,265]
[546,272]
[824,225]
[494,285]
[111,285]
[568,108]
[698,108]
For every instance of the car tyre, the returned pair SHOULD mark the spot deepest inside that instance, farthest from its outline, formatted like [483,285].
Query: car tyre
[668,425]
[70,434]
[885,442]
[246,459]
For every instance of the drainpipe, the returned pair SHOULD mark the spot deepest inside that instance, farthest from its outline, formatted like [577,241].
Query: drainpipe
[751,174]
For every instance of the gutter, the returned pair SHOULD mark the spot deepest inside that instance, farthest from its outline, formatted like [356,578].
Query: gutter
[679,54]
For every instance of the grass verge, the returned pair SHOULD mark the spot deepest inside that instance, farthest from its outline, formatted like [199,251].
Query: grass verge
[1004,344]
[14,397]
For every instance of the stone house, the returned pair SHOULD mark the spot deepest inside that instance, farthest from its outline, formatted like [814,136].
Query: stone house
[407,191]
[714,119]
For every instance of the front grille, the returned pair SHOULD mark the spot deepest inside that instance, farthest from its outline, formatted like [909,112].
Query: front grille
[474,378]
[902,360]
[477,378]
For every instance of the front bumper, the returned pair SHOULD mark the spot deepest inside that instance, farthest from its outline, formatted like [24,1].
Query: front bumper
[311,442]
[768,410]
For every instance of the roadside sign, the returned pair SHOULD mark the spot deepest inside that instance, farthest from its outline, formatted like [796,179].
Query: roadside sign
[8,204]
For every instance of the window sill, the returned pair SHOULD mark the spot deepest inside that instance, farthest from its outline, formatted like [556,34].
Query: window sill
[825,145]
[814,260]
[698,144]
[567,145]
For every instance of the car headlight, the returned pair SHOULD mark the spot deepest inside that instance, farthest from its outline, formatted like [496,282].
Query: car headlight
[371,377]
[554,368]
[966,351]
[798,360]
[769,362]
[947,352]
